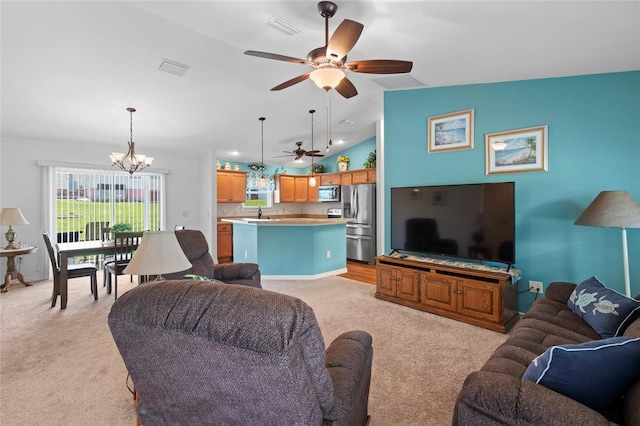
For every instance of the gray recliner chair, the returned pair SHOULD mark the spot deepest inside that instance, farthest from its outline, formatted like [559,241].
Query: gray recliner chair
[207,353]
[195,247]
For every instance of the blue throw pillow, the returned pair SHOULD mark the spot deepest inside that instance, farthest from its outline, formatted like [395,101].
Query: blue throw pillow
[595,373]
[608,312]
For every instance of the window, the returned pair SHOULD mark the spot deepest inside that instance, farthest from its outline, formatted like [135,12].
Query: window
[86,199]
[258,198]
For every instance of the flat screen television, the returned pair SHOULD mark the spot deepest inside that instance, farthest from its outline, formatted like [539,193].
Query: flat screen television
[475,221]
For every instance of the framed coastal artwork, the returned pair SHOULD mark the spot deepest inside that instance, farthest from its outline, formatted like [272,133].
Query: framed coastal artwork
[450,132]
[516,151]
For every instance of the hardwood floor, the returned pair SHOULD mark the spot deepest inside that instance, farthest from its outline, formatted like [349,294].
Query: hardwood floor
[360,271]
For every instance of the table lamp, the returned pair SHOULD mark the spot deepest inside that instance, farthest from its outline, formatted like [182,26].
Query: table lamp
[614,209]
[159,253]
[12,216]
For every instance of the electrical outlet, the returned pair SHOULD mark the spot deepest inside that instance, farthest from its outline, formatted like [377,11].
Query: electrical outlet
[328,254]
[535,287]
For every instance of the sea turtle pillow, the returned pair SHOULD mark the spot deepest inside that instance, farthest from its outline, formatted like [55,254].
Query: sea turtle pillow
[608,312]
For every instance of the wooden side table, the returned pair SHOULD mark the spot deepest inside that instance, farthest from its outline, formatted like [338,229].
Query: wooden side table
[12,273]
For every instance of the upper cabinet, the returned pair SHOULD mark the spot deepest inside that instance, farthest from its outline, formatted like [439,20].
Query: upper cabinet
[231,186]
[296,189]
[363,176]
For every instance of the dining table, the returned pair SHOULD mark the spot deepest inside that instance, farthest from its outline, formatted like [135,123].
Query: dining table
[68,251]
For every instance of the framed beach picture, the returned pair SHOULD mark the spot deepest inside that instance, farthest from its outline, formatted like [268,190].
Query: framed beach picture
[515,151]
[450,132]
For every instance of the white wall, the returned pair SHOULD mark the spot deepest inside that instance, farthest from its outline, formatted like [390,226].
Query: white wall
[20,186]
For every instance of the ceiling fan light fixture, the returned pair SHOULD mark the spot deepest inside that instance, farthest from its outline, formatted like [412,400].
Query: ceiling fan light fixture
[327,78]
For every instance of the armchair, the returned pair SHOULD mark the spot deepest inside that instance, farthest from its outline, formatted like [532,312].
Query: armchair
[209,353]
[195,247]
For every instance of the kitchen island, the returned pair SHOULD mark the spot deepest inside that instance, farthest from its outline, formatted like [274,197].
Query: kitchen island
[291,248]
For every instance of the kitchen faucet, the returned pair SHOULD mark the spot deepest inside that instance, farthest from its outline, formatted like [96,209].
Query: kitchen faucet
[259,212]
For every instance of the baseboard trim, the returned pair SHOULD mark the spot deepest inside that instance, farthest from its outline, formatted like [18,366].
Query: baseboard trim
[305,277]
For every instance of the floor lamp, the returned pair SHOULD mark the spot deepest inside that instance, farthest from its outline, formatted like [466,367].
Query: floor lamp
[614,209]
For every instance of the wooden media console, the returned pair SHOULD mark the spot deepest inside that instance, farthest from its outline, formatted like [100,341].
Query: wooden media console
[483,297]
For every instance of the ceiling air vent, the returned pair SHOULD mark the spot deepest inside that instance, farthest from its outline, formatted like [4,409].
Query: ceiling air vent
[173,67]
[283,25]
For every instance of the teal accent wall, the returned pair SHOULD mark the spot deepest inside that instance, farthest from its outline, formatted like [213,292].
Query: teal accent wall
[594,145]
[358,154]
[291,250]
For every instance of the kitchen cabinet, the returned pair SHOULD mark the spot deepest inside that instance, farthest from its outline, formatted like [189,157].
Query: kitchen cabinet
[225,242]
[352,177]
[363,176]
[287,188]
[313,191]
[483,298]
[296,189]
[346,178]
[301,189]
[330,179]
[231,186]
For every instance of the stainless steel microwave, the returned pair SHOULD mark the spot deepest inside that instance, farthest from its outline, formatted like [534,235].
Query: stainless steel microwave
[329,193]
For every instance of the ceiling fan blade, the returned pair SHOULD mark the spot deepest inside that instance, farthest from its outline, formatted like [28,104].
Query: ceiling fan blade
[346,88]
[313,154]
[380,66]
[343,39]
[291,82]
[288,155]
[277,57]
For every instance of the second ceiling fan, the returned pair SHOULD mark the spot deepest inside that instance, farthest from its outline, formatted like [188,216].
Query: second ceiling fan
[330,61]
[299,152]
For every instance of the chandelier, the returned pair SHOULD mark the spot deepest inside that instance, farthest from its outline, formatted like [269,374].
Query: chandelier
[136,162]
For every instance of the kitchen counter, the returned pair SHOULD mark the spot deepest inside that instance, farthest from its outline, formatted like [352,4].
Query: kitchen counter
[290,221]
[291,248]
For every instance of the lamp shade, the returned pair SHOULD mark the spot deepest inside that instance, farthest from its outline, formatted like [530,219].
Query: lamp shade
[158,253]
[612,209]
[12,216]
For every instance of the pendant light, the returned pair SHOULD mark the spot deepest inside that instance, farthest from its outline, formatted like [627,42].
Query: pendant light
[262,183]
[312,179]
[137,162]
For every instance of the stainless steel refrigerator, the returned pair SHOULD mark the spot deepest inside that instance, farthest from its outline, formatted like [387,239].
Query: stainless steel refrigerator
[359,206]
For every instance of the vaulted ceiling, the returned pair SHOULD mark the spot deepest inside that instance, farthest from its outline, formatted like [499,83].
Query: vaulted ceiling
[71,68]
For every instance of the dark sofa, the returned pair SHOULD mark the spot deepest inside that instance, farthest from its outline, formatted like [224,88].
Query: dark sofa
[497,394]
[195,247]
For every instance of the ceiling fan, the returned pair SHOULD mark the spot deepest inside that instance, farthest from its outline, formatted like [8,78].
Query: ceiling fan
[299,152]
[330,61]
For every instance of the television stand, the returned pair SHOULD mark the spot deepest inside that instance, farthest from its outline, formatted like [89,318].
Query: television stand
[483,296]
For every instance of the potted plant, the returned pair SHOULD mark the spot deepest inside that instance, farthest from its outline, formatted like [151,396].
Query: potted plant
[121,227]
[317,168]
[371,161]
[343,162]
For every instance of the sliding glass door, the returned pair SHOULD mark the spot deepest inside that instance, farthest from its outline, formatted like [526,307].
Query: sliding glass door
[87,201]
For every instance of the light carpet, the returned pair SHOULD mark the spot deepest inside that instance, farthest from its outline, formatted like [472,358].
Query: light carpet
[61,367]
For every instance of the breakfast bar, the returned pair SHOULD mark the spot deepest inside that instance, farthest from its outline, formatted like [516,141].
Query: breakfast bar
[291,248]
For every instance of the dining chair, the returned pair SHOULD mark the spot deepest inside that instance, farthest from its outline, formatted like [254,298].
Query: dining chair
[74,271]
[124,247]
[94,231]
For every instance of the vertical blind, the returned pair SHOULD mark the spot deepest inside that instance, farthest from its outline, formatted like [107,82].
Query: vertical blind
[87,200]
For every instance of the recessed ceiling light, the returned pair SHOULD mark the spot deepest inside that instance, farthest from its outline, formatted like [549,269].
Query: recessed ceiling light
[339,141]
[234,153]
